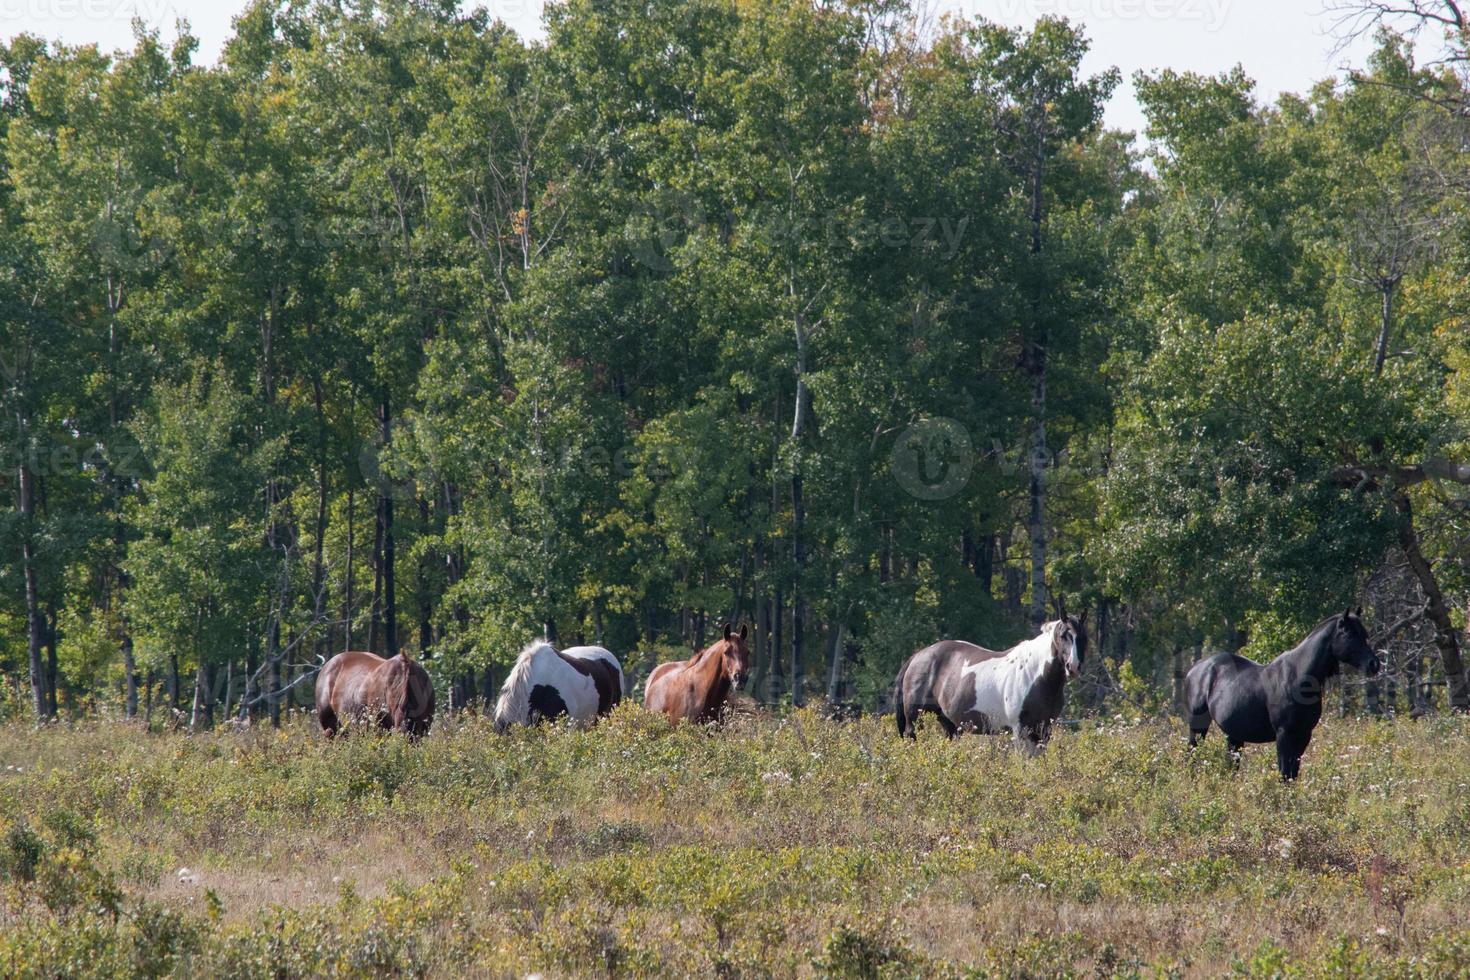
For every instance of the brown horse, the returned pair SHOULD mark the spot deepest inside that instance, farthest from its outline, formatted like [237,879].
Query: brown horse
[394,693]
[697,689]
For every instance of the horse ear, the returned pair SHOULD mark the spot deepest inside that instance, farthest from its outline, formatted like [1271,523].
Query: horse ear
[727,631]
[1082,620]
[744,630]
[1359,612]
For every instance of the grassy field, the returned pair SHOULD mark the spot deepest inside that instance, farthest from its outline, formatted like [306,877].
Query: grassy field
[794,846]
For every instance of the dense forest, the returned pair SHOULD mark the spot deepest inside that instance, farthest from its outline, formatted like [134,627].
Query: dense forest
[393,330]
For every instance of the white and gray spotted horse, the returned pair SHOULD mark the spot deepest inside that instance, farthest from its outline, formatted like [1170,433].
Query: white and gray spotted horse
[973,689]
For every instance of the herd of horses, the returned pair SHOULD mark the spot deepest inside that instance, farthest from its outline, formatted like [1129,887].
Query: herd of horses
[969,688]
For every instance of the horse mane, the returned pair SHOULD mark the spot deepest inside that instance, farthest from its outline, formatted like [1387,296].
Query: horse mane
[1048,633]
[514,706]
[397,689]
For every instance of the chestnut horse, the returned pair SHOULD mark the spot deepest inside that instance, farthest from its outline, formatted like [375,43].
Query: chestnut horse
[393,693]
[697,689]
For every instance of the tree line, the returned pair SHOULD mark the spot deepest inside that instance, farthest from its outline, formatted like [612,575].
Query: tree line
[393,330]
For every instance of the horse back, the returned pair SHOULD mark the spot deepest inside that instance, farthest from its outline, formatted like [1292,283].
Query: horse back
[655,695]
[347,682]
[954,693]
[1232,689]
[603,669]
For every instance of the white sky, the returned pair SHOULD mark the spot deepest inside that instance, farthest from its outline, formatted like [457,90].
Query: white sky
[1285,45]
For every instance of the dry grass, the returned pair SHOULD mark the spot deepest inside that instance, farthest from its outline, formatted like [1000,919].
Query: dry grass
[775,847]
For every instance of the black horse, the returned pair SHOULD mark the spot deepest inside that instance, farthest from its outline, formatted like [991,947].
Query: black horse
[1282,701]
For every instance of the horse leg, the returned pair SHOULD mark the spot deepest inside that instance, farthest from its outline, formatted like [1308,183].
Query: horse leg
[1232,752]
[949,727]
[328,719]
[1028,740]
[1289,751]
[1197,735]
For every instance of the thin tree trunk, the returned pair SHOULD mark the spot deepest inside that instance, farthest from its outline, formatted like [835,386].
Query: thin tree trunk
[53,673]
[148,699]
[834,662]
[273,670]
[130,670]
[34,625]
[201,684]
[426,628]
[1385,328]
[318,564]
[1446,638]
[778,665]
[351,556]
[390,604]
[798,520]
[1037,358]
[375,620]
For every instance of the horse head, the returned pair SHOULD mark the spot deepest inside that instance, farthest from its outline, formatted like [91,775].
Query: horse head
[1350,643]
[735,657]
[1069,641]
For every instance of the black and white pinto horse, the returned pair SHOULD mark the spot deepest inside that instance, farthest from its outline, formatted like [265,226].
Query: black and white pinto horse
[582,683]
[972,689]
[1280,702]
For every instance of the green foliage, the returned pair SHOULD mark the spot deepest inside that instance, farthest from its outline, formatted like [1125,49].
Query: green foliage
[394,329]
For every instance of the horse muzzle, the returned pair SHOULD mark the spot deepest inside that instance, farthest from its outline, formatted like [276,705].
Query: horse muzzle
[1374,666]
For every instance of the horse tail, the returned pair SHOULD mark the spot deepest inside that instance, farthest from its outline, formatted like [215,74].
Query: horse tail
[1196,701]
[514,706]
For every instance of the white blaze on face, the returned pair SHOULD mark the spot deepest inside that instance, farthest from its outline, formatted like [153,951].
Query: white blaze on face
[1074,661]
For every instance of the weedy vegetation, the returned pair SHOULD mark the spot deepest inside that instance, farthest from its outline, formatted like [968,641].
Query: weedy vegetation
[780,846]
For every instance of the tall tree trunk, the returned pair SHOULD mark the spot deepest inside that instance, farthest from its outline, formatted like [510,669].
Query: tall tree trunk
[130,669]
[53,672]
[778,649]
[375,619]
[173,681]
[148,699]
[426,628]
[318,562]
[35,627]
[1446,638]
[1036,362]
[347,572]
[835,654]
[390,604]
[798,519]
[273,670]
[201,692]
[1385,328]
